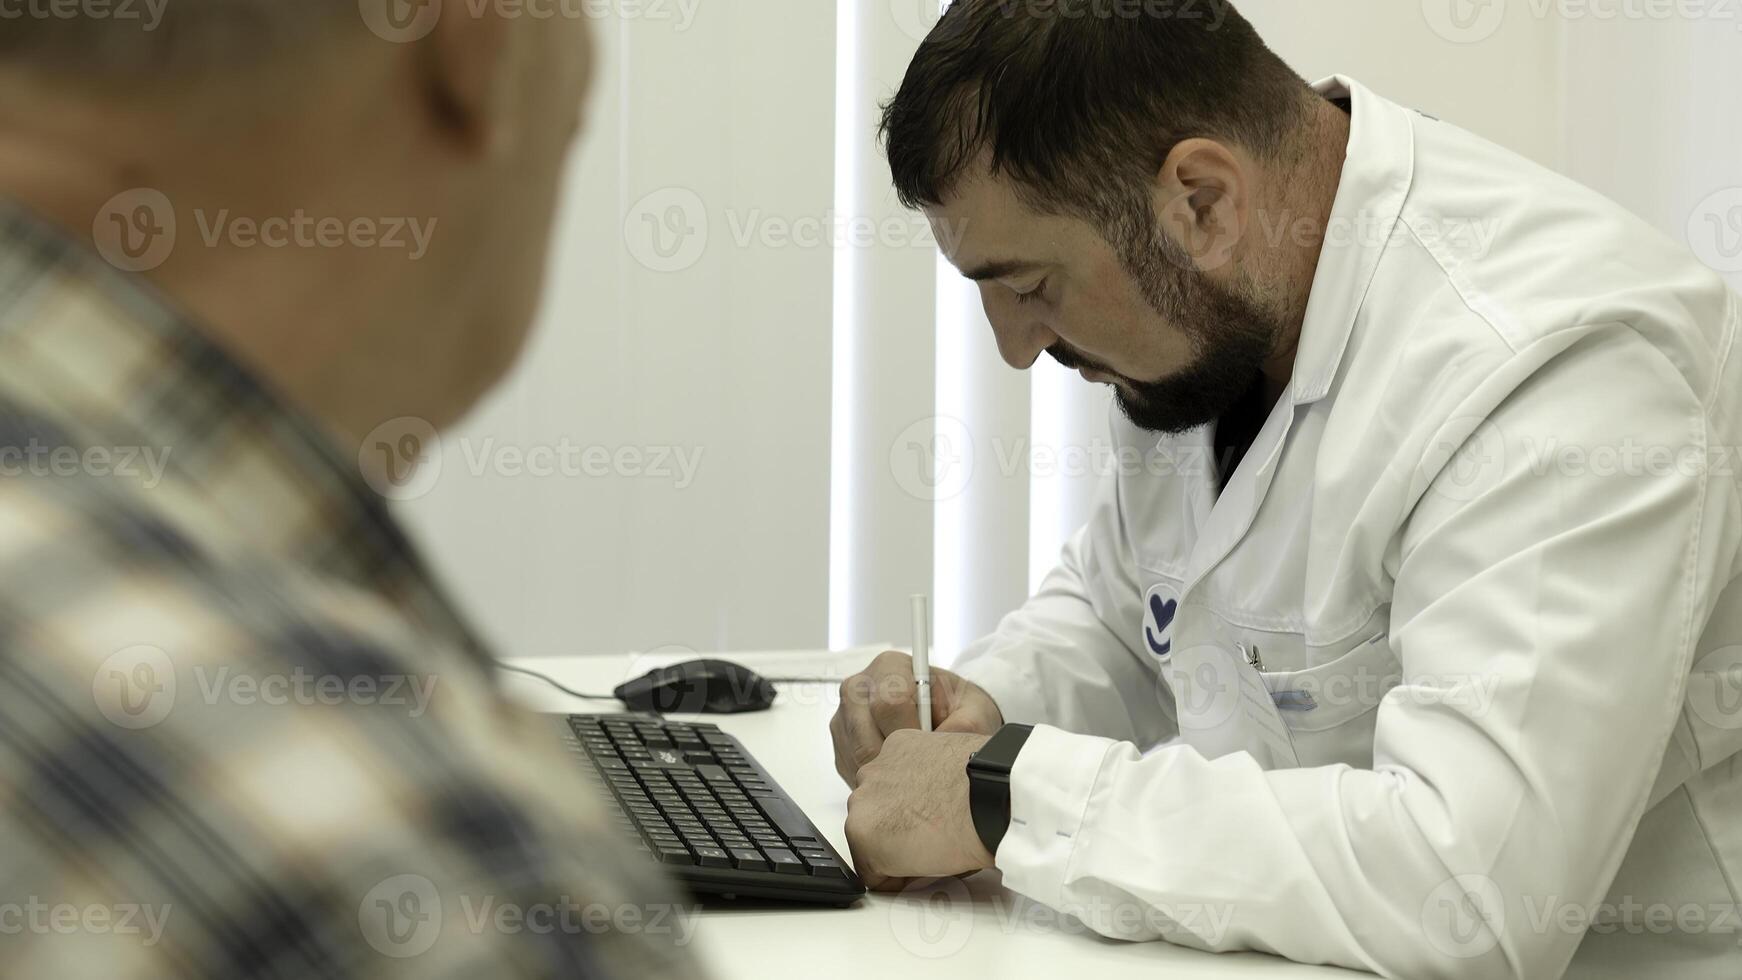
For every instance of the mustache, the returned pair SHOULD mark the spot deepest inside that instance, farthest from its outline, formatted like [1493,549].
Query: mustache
[1072,360]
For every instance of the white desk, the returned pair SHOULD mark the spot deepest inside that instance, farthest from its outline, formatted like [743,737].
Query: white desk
[954,930]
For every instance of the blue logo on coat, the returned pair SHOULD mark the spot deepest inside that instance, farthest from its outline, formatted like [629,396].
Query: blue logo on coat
[1158,621]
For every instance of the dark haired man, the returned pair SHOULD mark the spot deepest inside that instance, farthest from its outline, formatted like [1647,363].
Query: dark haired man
[1425,600]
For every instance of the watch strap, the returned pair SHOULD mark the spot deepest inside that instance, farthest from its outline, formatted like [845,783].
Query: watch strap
[989,783]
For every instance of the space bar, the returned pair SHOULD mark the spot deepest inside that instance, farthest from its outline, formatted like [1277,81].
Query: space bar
[790,819]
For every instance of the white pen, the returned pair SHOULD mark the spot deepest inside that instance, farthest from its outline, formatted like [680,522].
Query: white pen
[922,658]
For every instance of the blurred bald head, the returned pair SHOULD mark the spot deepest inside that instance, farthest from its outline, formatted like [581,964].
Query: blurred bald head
[163,40]
[443,115]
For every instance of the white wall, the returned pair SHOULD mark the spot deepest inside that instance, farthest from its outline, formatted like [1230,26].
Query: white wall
[1500,79]
[1654,120]
[745,349]
[728,121]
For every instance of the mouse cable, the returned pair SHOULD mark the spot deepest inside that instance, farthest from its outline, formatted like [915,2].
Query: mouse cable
[553,682]
[612,697]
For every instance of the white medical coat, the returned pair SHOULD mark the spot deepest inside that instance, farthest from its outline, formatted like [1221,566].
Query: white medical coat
[1483,557]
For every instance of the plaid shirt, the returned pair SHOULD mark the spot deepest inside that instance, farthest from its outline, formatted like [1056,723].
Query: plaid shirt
[242,734]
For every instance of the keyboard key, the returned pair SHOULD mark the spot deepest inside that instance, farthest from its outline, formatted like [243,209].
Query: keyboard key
[785,862]
[790,819]
[672,853]
[748,859]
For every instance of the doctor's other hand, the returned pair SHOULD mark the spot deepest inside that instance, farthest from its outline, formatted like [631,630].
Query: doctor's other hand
[909,816]
[882,699]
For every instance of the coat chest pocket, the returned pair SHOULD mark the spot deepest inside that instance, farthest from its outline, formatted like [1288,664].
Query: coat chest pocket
[1326,694]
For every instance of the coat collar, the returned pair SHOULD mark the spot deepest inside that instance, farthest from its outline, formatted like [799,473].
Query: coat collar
[1377,175]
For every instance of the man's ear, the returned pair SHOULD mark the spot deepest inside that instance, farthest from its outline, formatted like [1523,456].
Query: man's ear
[467,64]
[1203,201]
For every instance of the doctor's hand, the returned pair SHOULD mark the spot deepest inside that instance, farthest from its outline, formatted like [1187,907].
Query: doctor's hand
[909,816]
[882,699]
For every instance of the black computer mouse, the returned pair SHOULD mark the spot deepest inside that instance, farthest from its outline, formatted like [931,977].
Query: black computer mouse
[715,687]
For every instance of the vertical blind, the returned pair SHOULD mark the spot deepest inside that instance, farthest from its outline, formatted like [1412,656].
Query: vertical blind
[943,476]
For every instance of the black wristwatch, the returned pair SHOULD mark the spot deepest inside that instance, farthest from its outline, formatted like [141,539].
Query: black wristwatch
[989,783]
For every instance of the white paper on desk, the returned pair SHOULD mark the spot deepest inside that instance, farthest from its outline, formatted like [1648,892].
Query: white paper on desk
[1225,707]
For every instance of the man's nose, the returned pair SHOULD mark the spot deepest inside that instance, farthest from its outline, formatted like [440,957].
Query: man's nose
[1021,340]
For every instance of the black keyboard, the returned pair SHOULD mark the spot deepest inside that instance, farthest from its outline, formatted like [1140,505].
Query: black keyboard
[691,798]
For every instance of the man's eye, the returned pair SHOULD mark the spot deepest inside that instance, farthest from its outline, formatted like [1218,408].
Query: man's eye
[1036,293]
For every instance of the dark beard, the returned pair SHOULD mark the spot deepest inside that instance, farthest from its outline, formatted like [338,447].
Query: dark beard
[1232,335]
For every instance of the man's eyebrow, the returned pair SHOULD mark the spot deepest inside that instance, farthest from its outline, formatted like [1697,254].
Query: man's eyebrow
[999,270]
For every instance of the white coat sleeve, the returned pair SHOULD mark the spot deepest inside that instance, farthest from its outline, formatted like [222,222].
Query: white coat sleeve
[1544,623]
[1067,658]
